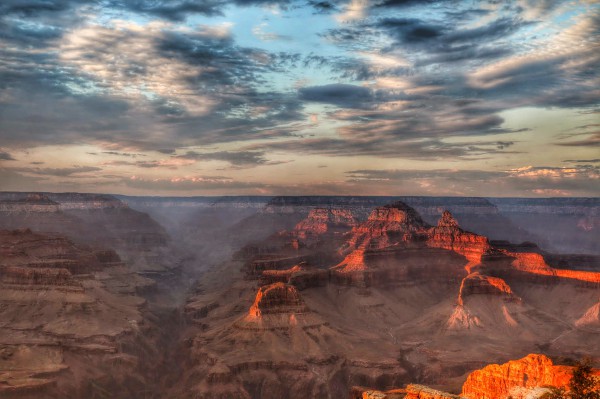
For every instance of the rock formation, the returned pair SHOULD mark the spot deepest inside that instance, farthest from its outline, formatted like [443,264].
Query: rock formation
[301,276]
[591,318]
[478,284]
[277,298]
[324,220]
[62,303]
[388,225]
[516,378]
[448,235]
[92,219]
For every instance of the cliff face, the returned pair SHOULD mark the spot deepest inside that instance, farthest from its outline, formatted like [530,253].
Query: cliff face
[478,284]
[516,378]
[323,220]
[91,219]
[448,235]
[32,203]
[62,304]
[277,298]
[388,225]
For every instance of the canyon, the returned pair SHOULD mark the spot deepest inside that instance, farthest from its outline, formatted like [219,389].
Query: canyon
[296,297]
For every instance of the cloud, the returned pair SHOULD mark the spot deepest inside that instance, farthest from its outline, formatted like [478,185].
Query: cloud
[191,183]
[592,141]
[5,156]
[341,95]
[59,172]
[173,10]
[422,149]
[237,158]
[158,83]
[259,32]
[537,181]
[595,160]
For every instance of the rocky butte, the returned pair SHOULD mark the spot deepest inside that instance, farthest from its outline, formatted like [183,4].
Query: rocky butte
[518,379]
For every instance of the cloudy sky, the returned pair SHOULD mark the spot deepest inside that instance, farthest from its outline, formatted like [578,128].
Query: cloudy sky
[368,97]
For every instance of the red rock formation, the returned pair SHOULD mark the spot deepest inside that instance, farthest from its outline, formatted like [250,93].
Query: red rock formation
[388,225]
[300,276]
[448,235]
[280,276]
[323,220]
[277,298]
[478,284]
[534,264]
[516,378]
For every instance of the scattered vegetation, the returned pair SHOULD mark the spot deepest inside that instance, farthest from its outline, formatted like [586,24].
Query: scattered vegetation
[583,385]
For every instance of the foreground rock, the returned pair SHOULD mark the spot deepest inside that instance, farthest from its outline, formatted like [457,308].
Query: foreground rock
[523,378]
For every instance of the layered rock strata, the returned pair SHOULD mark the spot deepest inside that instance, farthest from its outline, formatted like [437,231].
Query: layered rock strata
[516,378]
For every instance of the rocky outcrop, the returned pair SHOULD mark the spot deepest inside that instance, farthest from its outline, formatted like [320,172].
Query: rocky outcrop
[414,391]
[516,378]
[388,225]
[478,284]
[277,298]
[300,276]
[532,266]
[358,392]
[324,220]
[448,235]
[591,318]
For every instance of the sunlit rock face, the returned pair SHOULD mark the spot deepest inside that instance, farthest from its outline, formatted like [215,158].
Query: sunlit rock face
[478,284]
[300,276]
[277,298]
[516,378]
[323,220]
[388,225]
[448,235]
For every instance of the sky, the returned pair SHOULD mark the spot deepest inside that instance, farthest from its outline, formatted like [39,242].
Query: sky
[259,97]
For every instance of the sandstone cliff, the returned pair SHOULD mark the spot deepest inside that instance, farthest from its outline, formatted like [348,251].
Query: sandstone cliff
[448,235]
[516,378]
